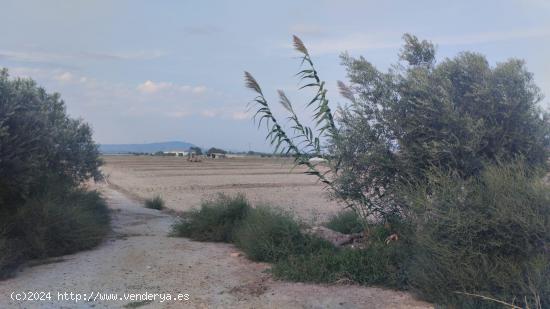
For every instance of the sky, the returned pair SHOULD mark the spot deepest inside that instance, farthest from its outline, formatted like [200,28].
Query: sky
[149,71]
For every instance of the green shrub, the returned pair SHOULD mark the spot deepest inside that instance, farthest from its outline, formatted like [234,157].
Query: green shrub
[489,236]
[347,222]
[268,234]
[57,225]
[215,220]
[155,203]
[45,156]
[10,254]
[55,222]
[380,263]
[38,140]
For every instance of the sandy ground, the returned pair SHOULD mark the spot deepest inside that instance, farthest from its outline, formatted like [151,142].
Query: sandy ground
[184,184]
[139,258]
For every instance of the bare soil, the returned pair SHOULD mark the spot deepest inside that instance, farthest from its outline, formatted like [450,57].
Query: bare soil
[184,184]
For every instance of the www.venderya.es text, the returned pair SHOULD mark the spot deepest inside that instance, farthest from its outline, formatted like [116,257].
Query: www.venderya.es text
[94,296]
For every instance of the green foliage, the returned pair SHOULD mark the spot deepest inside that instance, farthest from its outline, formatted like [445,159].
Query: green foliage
[55,225]
[38,140]
[458,115]
[196,150]
[215,220]
[10,254]
[263,233]
[54,222]
[378,264]
[155,203]
[416,52]
[215,150]
[44,157]
[347,222]
[478,225]
[271,235]
[488,235]
[268,235]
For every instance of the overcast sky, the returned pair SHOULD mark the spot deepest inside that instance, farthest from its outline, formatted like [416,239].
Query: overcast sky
[148,71]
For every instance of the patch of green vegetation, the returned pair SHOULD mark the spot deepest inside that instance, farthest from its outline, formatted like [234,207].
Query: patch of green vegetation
[379,263]
[269,234]
[155,203]
[10,255]
[347,222]
[488,235]
[53,223]
[45,157]
[215,220]
[62,225]
[263,233]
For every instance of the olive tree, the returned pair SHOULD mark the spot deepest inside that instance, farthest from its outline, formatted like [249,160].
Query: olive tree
[458,114]
[39,142]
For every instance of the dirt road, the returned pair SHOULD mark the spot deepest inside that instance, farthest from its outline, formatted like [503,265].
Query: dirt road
[139,258]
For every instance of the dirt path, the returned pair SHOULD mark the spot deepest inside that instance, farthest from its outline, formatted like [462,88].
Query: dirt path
[139,258]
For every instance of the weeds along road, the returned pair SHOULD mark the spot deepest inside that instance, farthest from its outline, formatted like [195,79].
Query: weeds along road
[139,260]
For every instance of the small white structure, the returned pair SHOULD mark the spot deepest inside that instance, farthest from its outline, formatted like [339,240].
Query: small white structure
[176,153]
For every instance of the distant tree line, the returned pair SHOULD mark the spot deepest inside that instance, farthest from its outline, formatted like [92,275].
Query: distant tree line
[215,150]
[196,150]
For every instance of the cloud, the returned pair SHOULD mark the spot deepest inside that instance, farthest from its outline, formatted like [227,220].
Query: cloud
[226,112]
[209,113]
[151,87]
[65,77]
[193,89]
[26,72]
[97,100]
[179,113]
[364,42]
[489,37]
[59,75]
[239,115]
[26,56]
[60,57]
[132,55]
[353,42]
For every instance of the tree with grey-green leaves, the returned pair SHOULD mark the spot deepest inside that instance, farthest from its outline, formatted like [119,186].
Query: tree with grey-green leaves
[214,150]
[196,150]
[449,154]
[455,114]
[458,114]
[39,142]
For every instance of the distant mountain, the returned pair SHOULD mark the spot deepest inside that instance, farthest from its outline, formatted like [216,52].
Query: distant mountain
[148,148]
